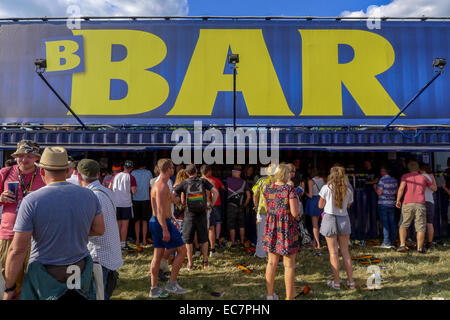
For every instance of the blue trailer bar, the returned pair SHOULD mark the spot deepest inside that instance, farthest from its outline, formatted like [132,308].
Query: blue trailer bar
[140,140]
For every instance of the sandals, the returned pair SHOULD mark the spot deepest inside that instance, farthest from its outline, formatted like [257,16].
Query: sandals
[351,285]
[335,286]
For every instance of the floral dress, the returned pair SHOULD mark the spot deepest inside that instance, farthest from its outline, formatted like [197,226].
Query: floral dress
[281,231]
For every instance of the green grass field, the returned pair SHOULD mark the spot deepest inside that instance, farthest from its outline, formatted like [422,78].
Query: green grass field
[406,276]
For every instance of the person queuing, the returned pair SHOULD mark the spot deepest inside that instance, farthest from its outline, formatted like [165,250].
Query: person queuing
[206,172]
[141,202]
[105,249]
[238,199]
[413,186]
[72,176]
[281,233]
[195,217]
[123,186]
[27,178]
[58,219]
[335,198]
[261,213]
[386,190]
[165,234]
[315,184]
[429,204]
[217,207]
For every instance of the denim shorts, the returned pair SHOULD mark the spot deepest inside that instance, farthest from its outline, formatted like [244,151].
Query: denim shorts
[217,211]
[430,211]
[335,225]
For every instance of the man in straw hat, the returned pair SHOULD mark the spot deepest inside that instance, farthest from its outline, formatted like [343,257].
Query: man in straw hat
[258,199]
[58,219]
[413,186]
[25,178]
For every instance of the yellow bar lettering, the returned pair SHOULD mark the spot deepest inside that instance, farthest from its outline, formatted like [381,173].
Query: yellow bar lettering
[323,75]
[54,55]
[146,90]
[256,77]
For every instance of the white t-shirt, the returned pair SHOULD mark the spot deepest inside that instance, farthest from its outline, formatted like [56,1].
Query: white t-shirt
[73,179]
[122,190]
[329,208]
[428,191]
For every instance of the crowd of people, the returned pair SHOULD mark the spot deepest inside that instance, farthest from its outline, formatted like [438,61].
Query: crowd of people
[59,214]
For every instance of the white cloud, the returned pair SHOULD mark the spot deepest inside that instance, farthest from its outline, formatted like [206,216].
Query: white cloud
[405,8]
[58,8]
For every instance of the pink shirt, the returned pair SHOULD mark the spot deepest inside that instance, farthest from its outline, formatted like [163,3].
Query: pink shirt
[416,184]
[9,209]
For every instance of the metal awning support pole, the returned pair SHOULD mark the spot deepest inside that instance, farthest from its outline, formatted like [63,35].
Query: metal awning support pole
[414,98]
[60,99]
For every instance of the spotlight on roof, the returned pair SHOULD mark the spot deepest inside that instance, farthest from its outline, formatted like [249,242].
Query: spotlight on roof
[233,58]
[439,63]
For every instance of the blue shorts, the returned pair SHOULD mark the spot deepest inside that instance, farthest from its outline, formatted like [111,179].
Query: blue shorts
[157,234]
[217,212]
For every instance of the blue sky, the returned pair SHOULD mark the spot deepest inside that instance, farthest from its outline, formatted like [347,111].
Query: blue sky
[278,7]
[373,8]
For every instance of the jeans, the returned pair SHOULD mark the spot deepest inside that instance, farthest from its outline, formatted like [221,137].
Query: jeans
[387,217]
[105,279]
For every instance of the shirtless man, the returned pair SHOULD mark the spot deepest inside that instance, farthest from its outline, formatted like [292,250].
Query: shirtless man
[165,234]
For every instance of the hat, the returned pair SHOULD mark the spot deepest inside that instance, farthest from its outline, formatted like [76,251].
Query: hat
[116,168]
[54,158]
[88,168]
[128,164]
[27,147]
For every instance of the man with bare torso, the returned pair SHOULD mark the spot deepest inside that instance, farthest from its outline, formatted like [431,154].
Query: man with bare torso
[164,233]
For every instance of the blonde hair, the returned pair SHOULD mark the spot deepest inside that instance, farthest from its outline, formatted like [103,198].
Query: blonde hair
[164,164]
[291,167]
[337,185]
[283,173]
[181,176]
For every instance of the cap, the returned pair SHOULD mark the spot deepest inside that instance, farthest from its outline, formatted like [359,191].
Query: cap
[89,168]
[128,164]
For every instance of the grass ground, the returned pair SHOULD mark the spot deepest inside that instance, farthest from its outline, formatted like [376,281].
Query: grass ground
[406,276]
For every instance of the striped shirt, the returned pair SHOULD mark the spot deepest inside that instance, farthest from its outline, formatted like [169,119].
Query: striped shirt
[389,186]
[106,249]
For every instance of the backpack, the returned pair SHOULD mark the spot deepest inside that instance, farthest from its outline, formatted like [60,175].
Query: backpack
[236,198]
[196,196]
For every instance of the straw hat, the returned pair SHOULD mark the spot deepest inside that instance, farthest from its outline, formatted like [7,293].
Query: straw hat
[54,158]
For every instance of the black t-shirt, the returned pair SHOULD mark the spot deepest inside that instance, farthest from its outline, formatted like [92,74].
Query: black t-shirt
[182,188]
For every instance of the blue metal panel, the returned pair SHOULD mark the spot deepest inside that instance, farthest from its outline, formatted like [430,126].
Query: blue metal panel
[343,140]
[24,98]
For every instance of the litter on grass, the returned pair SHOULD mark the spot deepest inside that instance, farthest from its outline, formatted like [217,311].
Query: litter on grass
[244,268]
[305,291]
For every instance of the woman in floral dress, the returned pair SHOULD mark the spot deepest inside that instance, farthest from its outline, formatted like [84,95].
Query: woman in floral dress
[281,234]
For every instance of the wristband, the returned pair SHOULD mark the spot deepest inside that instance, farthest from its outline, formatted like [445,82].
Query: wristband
[11,289]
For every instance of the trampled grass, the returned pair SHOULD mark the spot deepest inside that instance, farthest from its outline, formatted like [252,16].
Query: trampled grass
[405,276]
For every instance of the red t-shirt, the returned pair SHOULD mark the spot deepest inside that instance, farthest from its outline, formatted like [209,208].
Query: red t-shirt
[416,184]
[217,184]
[9,214]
